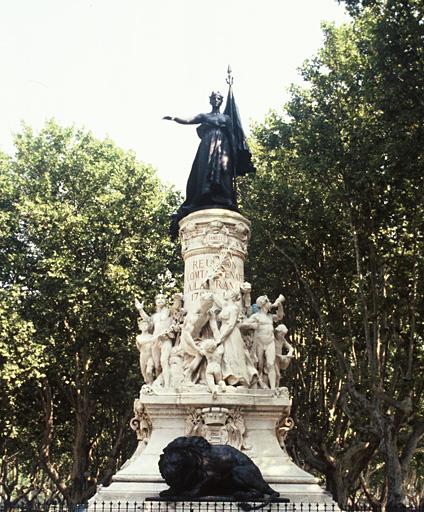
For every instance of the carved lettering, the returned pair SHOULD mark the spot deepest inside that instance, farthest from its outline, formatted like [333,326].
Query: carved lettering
[201,273]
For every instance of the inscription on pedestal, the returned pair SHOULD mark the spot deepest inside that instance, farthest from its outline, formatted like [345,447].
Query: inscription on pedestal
[217,272]
[214,247]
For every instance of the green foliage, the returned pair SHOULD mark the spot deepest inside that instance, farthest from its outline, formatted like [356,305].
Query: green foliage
[337,207]
[85,231]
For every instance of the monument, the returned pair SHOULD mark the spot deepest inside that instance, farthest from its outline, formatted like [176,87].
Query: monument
[212,361]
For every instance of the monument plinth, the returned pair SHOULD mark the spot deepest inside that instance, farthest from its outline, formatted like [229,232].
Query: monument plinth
[254,420]
[212,363]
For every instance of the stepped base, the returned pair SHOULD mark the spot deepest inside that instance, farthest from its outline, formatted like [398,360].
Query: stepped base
[252,420]
[138,492]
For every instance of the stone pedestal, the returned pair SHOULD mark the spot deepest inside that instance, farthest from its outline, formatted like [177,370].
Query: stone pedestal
[214,247]
[254,421]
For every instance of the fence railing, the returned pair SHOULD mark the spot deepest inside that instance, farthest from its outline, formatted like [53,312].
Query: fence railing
[200,505]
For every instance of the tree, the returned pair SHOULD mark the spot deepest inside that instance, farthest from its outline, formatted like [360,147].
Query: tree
[86,229]
[342,174]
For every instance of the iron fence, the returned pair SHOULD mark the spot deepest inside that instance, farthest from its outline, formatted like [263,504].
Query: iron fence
[201,505]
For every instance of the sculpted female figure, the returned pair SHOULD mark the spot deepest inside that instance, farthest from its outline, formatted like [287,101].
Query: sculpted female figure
[211,178]
[222,155]
[237,367]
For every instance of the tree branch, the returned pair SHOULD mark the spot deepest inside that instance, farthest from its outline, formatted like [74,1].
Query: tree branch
[411,444]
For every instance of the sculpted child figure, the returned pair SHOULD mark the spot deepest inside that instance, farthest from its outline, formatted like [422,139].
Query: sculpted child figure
[213,353]
[161,326]
[177,311]
[264,340]
[246,301]
[176,365]
[144,343]
[282,362]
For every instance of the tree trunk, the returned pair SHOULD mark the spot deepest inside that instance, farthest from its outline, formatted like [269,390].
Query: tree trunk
[79,477]
[45,452]
[396,498]
[337,486]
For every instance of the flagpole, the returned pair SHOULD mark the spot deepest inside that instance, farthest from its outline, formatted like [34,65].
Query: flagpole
[230,81]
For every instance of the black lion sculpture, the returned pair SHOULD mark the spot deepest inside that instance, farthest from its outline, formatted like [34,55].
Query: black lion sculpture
[193,468]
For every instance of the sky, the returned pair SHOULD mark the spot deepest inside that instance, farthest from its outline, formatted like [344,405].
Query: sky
[116,67]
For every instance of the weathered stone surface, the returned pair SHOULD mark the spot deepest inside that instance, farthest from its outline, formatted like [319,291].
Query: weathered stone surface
[212,367]
[255,420]
[214,247]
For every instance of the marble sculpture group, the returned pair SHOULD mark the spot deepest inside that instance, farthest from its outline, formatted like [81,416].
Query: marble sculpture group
[221,343]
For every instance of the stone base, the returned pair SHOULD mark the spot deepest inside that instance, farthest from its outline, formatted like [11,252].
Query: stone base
[245,418]
[137,492]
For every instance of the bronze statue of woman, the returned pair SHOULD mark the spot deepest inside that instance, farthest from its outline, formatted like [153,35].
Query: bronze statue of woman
[222,155]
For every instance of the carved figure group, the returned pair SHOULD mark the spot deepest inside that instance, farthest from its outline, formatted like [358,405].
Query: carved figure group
[222,343]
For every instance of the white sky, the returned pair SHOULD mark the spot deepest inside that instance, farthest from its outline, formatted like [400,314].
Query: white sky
[116,67]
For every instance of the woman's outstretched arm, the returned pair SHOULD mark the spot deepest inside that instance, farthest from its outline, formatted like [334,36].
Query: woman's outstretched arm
[190,120]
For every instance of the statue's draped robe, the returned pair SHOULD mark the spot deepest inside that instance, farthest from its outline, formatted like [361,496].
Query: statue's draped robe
[210,183]
[222,155]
